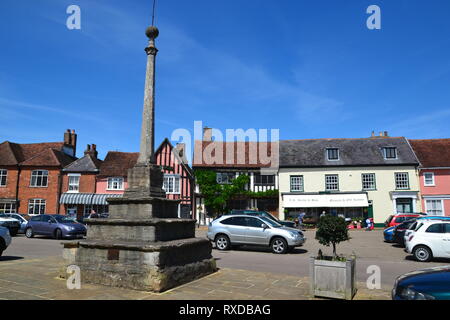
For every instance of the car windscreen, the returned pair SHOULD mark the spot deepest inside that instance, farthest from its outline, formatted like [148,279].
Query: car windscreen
[62,219]
[271,222]
[413,226]
[269,216]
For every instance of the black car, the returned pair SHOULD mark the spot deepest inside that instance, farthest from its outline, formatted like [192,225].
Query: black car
[11,224]
[266,214]
[427,284]
[399,231]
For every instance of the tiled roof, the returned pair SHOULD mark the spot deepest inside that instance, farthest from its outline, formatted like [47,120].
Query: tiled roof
[241,154]
[117,163]
[432,152]
[85,164]
[34,154]
[352,152]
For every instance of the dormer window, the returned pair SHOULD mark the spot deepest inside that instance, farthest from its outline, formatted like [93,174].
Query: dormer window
[333,154]
[390,152]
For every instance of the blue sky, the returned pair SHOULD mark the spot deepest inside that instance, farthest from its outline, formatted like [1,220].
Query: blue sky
[309,68]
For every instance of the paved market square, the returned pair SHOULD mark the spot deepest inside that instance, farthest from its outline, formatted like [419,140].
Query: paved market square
[29,270]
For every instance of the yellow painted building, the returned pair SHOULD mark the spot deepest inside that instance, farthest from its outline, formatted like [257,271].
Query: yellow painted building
[370,177]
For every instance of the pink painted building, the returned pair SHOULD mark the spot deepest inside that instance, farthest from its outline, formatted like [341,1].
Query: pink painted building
[434,174]
[178,176]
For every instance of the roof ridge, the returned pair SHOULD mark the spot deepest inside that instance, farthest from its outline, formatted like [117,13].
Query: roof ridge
[366,138]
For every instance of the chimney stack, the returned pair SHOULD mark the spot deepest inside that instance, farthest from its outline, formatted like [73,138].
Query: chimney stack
[70,140]
[91,150]
[181,149]
[207,134]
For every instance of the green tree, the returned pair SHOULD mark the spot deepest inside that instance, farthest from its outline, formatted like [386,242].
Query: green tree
[217,195]
[332,230]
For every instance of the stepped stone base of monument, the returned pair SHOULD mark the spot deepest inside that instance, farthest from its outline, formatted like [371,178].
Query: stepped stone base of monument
[147,266]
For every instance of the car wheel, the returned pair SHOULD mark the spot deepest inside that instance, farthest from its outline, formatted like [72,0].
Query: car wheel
[222,242]
[29,233]
[58,234]
[422,254]
[279,246]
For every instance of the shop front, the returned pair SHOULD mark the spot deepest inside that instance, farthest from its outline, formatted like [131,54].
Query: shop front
[348,205]
[81,205]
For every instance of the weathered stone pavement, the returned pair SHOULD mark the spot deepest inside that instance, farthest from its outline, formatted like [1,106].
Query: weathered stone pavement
[37,279]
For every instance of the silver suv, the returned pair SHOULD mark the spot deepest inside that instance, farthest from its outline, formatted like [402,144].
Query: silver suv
[250,230]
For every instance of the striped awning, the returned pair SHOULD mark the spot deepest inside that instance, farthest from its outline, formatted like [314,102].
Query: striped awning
[101,198]
[87,198]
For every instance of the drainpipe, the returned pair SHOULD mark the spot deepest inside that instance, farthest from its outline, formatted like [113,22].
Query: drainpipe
[60,176]
[19,170]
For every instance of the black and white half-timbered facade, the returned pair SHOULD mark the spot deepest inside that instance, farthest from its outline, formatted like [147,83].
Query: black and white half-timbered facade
[259,181]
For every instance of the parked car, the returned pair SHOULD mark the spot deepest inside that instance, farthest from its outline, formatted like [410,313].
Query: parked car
[414,225]
[430,239]
[400,230]
[57,226]
[5,239]
[395,220]
[388,234]
[427,284]
[290,224]
[11,224]
[229,230]
[22,218]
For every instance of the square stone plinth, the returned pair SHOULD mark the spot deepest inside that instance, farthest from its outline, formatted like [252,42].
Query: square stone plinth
[141,265]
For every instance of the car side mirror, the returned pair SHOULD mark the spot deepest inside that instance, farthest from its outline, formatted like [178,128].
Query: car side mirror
[264,226]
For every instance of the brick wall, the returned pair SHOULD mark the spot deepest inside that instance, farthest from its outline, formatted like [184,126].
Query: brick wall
[49,193]
[9,191]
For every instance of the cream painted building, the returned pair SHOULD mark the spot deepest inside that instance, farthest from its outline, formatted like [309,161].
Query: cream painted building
[369,177]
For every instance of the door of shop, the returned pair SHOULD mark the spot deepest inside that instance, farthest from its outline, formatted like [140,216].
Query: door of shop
[404,205]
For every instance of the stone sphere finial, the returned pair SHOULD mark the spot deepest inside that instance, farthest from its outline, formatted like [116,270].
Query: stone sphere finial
[152,32]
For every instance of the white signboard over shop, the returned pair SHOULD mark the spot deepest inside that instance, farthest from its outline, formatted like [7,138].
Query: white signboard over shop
[325,200]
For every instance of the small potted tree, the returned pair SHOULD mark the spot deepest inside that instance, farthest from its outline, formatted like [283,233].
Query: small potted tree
[332,276]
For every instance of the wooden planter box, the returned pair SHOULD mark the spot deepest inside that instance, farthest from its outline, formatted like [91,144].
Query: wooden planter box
[333,279]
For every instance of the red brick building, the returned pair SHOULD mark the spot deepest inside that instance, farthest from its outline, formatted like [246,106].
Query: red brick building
[79,184]
[30,174]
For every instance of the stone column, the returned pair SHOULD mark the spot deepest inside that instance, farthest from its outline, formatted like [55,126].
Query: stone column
[147,148]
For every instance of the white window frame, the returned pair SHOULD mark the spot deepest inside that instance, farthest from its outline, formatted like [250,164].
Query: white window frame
[385,153]
[115,183]
[397,175]
[71,187]
[3,176]
[8,207]
[432,184]
[37,202]
[328,154]
[172,183]
[431,211]
[374,181]
[329,183]
[300,183]
[36,175]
